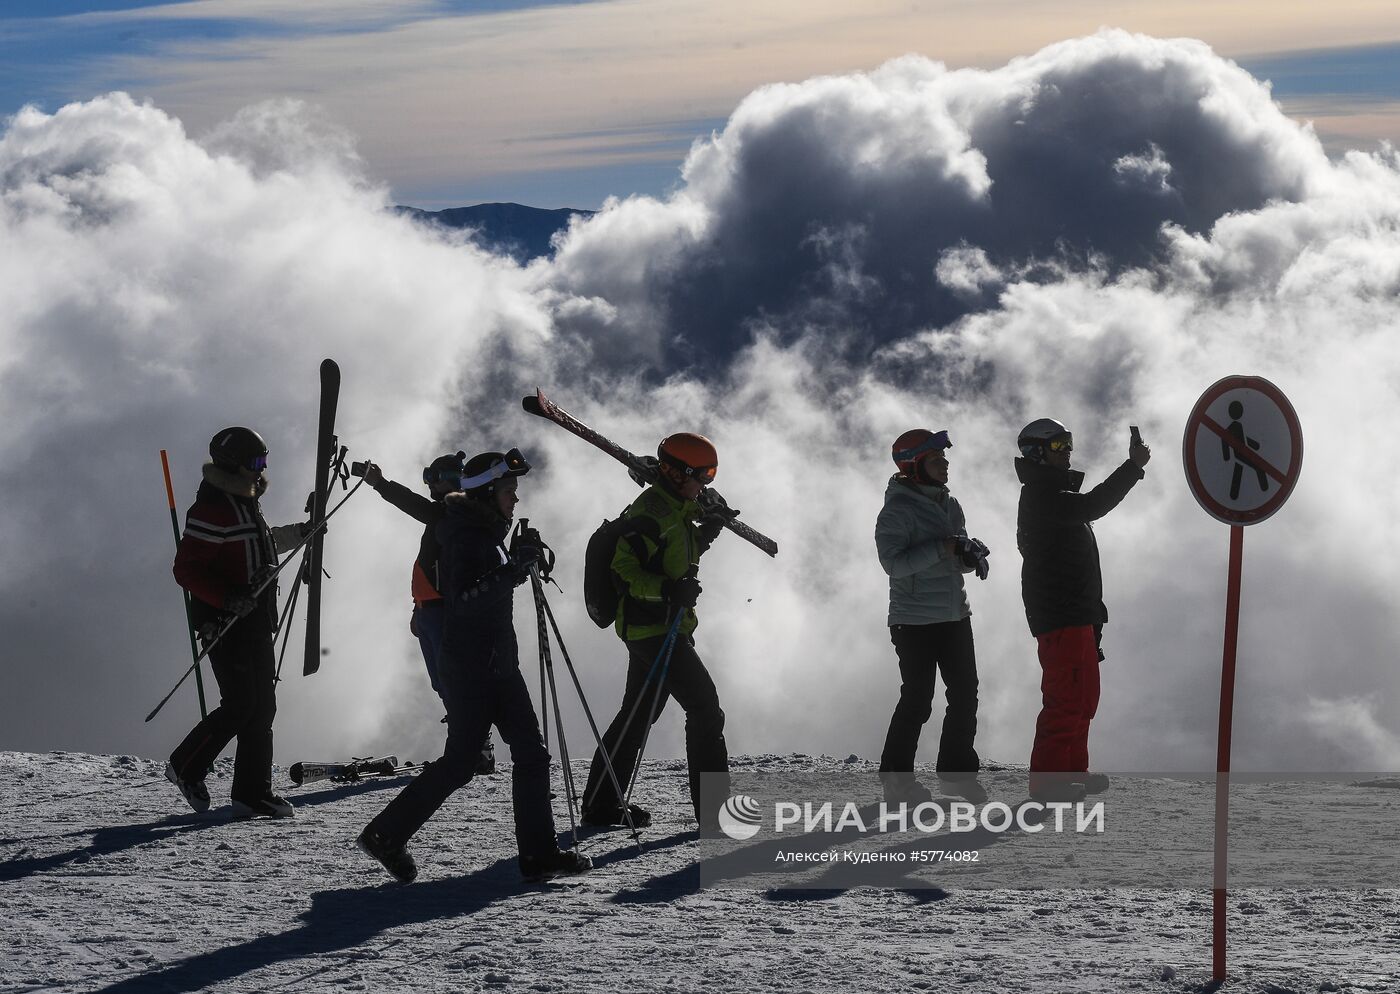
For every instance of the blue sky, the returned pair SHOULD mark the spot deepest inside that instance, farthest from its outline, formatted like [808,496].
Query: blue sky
[563,104]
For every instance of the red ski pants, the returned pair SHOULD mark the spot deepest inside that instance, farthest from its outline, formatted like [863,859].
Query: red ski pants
[1069,689]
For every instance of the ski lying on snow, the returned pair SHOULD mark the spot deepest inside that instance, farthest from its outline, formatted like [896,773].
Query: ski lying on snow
[305,773]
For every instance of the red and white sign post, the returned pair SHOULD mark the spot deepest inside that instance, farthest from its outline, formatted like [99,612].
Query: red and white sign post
[1243,449]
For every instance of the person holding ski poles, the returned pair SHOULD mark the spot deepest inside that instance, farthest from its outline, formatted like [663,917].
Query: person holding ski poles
[224,554]
[442,477]
[1062,588]
[479,672]
[655,565]
[922,540]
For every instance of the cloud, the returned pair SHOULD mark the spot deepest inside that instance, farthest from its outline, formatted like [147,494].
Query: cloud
[848,257]
[830,202]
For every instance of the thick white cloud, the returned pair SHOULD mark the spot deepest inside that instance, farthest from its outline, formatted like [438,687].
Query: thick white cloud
[1096,232]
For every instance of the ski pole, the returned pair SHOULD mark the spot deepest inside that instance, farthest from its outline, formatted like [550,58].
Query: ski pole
[283,622]
[588,713]
[570,790]
[189,621]
[631,715]
[316,528]
[665,659]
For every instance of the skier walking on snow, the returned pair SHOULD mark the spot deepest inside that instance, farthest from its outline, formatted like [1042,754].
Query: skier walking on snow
[1062,587]
[923,545]
[655,565]
[225,551]
[479,673]
[442,476]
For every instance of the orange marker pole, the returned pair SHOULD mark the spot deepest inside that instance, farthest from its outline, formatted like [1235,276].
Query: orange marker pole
[1222,752]
[189,623]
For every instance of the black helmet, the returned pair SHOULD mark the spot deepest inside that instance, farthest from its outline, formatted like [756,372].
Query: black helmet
[481,472]
[1036,437]
[238,448]
[444,469]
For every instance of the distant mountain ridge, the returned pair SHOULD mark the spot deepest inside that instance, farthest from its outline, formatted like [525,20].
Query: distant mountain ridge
[521,232]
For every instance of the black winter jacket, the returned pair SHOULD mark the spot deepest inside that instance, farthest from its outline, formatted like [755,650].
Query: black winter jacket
[1061,584]
[478,582]
[427,584]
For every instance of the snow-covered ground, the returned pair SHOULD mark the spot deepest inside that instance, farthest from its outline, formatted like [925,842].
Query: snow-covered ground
[108,884]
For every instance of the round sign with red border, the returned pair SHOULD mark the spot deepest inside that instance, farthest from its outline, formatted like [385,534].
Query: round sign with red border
[1243,450]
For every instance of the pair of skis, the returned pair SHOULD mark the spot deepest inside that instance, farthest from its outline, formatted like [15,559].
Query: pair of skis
[643,469]
[351,772]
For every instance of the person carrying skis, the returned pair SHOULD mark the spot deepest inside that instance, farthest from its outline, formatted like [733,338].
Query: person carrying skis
[921,537]
[1062,588]
[442,477]
[479,672]
[656,565]
[224,554]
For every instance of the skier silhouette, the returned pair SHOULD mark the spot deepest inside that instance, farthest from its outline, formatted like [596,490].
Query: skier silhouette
[1236,429]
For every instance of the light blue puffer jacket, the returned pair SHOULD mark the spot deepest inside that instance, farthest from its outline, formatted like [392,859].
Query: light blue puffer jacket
[911,535]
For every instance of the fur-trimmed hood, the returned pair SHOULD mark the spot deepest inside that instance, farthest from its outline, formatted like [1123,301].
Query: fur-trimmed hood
[234,483]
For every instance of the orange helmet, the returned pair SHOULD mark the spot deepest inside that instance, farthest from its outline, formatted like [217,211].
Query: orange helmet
[687,456]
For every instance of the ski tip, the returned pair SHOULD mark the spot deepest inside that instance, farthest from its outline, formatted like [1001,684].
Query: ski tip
[532,405]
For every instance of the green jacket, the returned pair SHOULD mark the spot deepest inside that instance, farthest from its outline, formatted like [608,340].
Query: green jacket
[666,535]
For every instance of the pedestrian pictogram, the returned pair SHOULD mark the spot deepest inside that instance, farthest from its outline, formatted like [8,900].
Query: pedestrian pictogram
[1242,450]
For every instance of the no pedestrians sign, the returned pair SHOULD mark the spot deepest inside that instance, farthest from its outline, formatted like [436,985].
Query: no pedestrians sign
[1243,450]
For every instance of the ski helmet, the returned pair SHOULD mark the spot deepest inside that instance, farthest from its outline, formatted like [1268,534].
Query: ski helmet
[444,469]
[481,472]
[238,448]
[910,448]
[1043,435]
[688,456]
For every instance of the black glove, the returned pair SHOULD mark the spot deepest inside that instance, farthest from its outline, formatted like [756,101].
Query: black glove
[712,505]
[526,555]
[683,592]
[650,464]
[240,603]
[527,549]
[973,555]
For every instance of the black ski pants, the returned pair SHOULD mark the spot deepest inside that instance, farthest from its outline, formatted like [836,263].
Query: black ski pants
[245,667]
[478,697]
[925,651]
[689,683]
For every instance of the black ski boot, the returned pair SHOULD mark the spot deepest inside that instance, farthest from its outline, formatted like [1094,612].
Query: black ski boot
[486,763]
[1095,783]
[391,855]
[270,805]
[968,788]
[614,818]
[560,863]
[196,795]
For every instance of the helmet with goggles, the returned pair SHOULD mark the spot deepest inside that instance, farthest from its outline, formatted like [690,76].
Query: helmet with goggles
[482,472]
[445,469]
[238,448]
[1044,436]
[910,448]
[688,456]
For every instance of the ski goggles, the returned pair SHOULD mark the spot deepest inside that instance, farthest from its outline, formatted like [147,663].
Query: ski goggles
[1061,443]
[703,475]
[258,463]
[511,464]
[938,440]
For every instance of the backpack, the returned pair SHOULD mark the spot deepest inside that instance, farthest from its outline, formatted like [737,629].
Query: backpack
[601,589]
